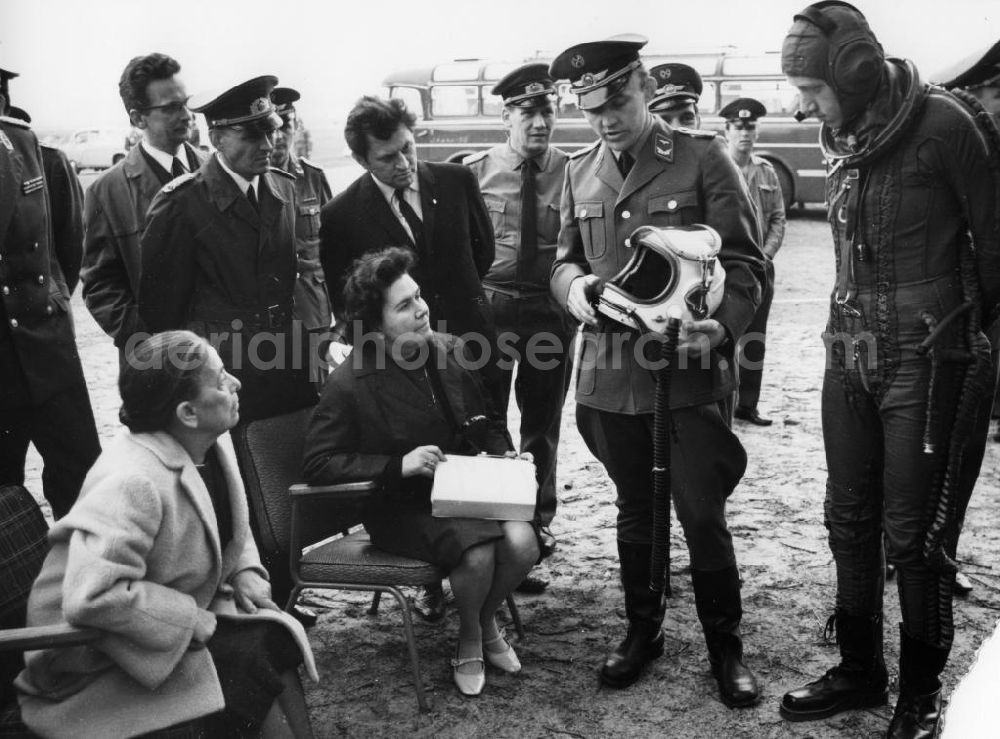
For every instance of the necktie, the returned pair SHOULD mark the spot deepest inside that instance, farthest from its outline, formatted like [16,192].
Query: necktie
[529,214]
[177,169]
[252,197]
[412,220]
[625,162]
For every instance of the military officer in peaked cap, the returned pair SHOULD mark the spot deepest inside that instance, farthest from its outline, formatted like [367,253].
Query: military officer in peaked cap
[643,173]
[765,189]
[521,181]
[218,258]
[678,90]
[43,394]
[311,300]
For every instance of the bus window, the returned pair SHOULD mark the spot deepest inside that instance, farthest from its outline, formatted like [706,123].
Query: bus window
[413,99]
[567,102]
[454,100]
[777,96]
[707,100]
[492,104]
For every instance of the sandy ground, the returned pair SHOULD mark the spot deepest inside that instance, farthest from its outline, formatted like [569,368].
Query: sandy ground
[776,519]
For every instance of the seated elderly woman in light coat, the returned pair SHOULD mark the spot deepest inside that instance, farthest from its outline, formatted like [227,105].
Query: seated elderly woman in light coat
[157,542]
[388,413]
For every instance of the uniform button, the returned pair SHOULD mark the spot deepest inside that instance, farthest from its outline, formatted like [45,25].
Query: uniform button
[41,279]
[583,213]
[298,275]
[672,205]
[13,323]
[34,246]
[6,290]
[626,215]
[48,310]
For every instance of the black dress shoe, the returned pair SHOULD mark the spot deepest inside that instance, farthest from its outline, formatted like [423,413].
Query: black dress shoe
[305,616]
[738,685]
[546,543]
[624,665]
[532,586]
[838,690]
[750,414]
[963,585]
[916,716]
[429,603]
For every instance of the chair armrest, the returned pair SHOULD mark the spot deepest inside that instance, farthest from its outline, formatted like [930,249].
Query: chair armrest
[46,637]
[348,492]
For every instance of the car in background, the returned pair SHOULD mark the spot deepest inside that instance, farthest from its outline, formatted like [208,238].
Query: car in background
[95,148]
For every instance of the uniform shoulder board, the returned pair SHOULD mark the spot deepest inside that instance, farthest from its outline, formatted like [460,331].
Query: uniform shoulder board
[311,165]
[177,182]
[14,121]
[477,157]
[585,150]
[696,133]
[282,172]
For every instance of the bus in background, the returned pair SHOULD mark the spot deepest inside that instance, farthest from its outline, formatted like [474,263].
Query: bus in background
[458,116]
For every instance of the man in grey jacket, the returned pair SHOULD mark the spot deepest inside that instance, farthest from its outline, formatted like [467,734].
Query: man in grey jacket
[116,203]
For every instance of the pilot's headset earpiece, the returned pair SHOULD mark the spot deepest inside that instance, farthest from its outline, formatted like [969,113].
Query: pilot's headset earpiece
[854,56]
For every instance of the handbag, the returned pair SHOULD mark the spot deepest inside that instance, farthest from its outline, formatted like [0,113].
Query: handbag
[474,484]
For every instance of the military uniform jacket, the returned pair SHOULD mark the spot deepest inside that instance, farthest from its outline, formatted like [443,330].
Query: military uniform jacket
[312,302]
[213,264]
[679,178]
[499,173]
[38,356]
[115,214]
[765,189]
[457,233]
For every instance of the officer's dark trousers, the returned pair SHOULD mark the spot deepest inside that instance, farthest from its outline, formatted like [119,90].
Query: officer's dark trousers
[751,355]
[63,431]
[707,461]
[881,482]
[534,332]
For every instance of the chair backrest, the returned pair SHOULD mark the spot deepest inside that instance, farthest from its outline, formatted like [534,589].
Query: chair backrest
[270,454]
[23,546]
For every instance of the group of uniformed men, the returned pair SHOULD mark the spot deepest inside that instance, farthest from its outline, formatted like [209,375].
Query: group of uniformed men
[249,248]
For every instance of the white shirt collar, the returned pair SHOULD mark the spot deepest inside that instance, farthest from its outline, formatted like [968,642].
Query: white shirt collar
[389,192]
[241,182]
[162,158]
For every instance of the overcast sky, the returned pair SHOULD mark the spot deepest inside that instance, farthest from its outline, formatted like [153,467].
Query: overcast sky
[70,53]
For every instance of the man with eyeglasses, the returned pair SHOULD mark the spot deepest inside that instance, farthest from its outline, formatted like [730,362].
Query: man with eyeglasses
[116,203]
[765,191]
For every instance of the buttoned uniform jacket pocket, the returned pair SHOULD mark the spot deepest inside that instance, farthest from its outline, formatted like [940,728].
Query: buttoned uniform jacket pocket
[307,223]
[674,209]
[497,209]
[591,222]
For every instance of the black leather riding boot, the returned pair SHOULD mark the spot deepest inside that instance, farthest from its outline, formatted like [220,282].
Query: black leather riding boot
[644,641]
[918,709]
[859,681]
[717,598]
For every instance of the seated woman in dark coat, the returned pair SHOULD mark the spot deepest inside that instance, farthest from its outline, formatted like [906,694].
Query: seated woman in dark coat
[382,417]
[157,547]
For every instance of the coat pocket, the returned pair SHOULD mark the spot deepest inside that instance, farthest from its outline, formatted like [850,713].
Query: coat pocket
[673,209]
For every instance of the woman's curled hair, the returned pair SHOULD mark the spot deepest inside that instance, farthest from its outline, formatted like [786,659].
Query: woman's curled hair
[160,374]
[371,277]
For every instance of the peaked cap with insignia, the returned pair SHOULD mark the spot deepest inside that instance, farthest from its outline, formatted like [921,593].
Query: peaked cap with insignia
[526,86]
[676,84]
[743,110]
[246,102]
[598,70]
